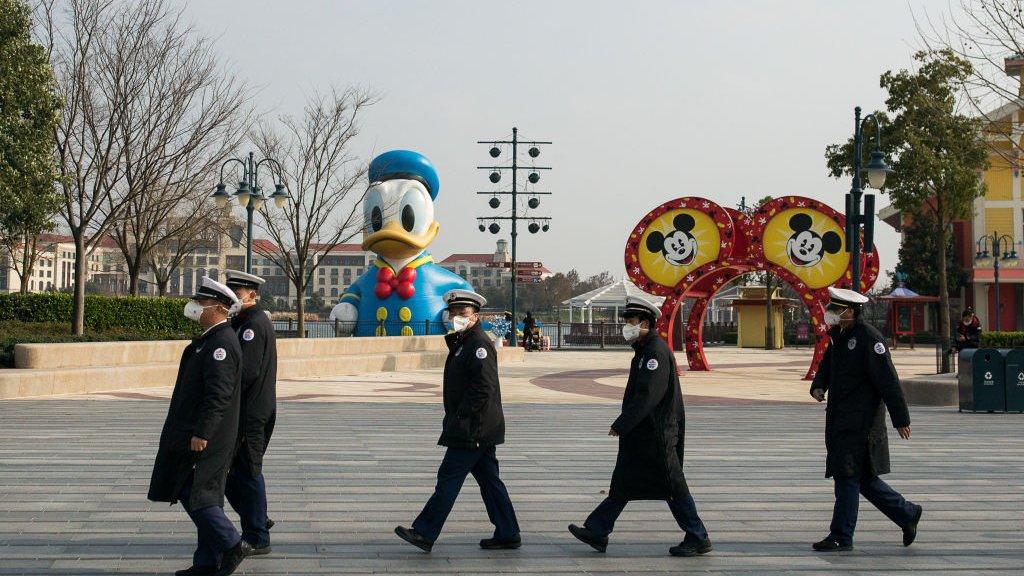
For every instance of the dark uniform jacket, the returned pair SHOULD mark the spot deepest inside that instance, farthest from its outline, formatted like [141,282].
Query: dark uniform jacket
[473,417]
[651,427]
[971,333]
[205,403]
[259,385]
[858,374]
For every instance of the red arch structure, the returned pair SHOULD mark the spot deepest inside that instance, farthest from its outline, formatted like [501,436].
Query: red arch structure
[740,249]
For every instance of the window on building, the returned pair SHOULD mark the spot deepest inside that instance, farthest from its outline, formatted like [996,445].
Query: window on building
[334,292]
[322,281]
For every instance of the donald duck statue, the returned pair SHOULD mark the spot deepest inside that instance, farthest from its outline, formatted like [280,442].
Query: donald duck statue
[402,293]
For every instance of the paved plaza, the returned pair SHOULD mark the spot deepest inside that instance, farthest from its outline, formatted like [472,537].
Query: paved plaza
[353,457]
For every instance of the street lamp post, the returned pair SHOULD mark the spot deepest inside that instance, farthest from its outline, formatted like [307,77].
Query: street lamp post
[250,195]
[999,244]
[537,224]
[876,172]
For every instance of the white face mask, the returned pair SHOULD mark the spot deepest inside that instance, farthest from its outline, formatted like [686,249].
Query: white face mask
[460,323]
[630,332]
[831,318]
[194,310]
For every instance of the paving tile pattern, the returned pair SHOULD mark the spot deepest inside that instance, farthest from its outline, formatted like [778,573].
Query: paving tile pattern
[73,478]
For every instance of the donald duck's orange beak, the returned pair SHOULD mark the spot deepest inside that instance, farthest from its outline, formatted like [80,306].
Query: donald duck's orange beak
[392,241]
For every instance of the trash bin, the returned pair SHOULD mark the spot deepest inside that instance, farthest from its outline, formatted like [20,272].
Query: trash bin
[1015,380]
[981,380]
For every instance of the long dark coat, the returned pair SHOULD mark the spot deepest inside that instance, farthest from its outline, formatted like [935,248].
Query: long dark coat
[205,403]
[651,427]
[858,374]
[473,417]
[259,385]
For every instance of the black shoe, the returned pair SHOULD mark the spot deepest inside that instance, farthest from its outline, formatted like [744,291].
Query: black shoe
[830,544]
[259,550]
[197,571]
[692,547]
[910,530]
[270,523]
[599,543]
[415,538]
[501,543]
[232,558]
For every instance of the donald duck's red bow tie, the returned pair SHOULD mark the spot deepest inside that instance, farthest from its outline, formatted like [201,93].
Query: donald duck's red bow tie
[388,283]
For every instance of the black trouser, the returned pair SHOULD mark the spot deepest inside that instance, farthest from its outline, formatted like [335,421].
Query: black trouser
[602,520]
[248,496]
[455,466]
[848,492]
[216,533]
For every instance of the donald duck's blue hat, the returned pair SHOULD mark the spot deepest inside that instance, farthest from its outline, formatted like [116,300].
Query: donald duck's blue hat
[405,165]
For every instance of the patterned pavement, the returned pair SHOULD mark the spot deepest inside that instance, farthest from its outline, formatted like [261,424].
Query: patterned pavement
[341,475]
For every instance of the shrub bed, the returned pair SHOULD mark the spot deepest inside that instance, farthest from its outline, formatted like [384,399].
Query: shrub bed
[13,332]
[1002,340]
[101,312]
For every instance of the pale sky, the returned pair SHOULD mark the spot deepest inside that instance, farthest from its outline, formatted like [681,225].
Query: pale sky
[645,101]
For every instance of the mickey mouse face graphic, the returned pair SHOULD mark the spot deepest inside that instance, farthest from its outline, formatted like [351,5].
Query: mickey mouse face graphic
[805,247]
[678,246]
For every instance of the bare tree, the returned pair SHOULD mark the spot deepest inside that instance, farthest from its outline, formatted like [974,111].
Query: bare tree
[985,33]
[181,234]
[93,46]
[323,178]
[22,250]
[188,117]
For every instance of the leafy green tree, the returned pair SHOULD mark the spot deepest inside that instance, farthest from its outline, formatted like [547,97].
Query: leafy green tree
[935,153]
[28,114]
[919,246]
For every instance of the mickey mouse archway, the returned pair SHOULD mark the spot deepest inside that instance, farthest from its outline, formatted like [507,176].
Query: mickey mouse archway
[690,247]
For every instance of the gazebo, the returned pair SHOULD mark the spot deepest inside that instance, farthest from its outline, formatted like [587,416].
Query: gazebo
[611,296]
[905,308]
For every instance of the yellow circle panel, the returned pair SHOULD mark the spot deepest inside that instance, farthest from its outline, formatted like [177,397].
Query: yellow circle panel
[807,243]
[677,243]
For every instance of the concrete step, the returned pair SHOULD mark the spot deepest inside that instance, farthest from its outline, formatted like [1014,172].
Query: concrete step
[23,383]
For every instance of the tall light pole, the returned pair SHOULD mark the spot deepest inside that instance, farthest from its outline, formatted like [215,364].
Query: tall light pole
[999,244]
[876,170]
[537,224]
[250,195]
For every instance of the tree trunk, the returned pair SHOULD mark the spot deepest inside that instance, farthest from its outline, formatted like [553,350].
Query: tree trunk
[134,270]
[28,253]
[161,286]
[78,311]
[300,308]
[943,296]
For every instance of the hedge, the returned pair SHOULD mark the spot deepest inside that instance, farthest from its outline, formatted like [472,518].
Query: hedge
[1002,340]
[14,332]
[101,312]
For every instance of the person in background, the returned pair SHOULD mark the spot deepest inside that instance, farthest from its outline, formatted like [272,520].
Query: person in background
[473,426]
[246,487]
[529,325]
[200,433]
[650,430]
[968,330]
[860,380]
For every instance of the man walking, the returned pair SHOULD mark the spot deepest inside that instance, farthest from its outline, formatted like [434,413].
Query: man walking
[858,376]
[246,487]
[473,426]
[650,431]
[197,442]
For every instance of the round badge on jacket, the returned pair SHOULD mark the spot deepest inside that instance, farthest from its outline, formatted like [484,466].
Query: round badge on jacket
[481,353]
[879,348]
[851,343]
[652,364]
[220,354]
[248,334]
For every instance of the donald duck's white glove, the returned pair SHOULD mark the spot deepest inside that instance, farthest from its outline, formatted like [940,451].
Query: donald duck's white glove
[346,315]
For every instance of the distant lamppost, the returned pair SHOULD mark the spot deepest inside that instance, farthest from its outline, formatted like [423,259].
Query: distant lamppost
[250,195]
[537,223]
[876,170]
[1003,248]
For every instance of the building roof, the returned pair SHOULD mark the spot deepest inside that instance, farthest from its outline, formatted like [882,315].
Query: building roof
[471,258]
[612,295]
